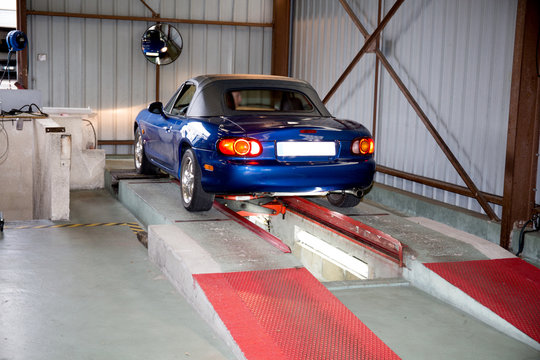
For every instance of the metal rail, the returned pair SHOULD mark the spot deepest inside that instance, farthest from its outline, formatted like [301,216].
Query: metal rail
[354,230]
[146,18]
[273,240]
[374,239]
[443,185]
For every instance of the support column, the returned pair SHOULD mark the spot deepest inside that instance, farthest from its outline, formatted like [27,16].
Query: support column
[22,56]
[281,34]
[523,123]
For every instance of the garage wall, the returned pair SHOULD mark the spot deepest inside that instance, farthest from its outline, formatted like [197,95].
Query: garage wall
[98,63]
[456,59]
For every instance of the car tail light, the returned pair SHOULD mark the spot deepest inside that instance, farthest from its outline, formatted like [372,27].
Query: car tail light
[363,146]
[240,147]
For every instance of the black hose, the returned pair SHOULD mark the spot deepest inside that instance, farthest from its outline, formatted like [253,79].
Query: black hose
[536,227]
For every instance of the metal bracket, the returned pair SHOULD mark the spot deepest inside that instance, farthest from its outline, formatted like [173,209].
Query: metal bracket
[252,206]
[56,129]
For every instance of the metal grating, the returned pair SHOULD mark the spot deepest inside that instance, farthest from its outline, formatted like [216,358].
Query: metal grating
[288,314]
[509,287]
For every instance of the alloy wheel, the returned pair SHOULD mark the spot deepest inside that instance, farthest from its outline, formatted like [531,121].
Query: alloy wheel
[188,180]
[139,152]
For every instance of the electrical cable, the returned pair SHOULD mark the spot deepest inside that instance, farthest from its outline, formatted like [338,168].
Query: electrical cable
[535,221]
[6,68]
[29,111]
[4,155]
[94,130]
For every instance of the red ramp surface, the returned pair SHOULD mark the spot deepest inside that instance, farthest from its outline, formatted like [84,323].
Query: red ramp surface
[288,314]
[509,287]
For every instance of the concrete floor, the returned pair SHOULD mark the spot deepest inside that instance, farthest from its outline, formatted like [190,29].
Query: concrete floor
[91,293]
[418,326]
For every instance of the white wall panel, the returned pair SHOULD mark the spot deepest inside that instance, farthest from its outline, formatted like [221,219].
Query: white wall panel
[456,59]
[98,63]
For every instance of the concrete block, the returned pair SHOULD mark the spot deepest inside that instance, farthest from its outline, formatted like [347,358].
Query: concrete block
[428,281]
[16,170]
[87,169]
[52,164]
[88,163]
[179,257]
[411,204]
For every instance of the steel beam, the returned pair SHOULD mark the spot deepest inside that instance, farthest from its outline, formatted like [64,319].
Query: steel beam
[281,34]
[368,45]
[443,185]
[425,120]
[377,241]
[523,123]
[146,18]
[22,56]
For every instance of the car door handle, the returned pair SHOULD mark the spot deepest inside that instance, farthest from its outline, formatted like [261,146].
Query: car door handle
[167,128]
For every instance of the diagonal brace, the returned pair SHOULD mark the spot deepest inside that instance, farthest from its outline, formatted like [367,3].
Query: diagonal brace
[423,117]
[370,41]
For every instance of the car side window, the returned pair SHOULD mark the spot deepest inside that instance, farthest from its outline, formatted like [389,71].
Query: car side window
[183,100]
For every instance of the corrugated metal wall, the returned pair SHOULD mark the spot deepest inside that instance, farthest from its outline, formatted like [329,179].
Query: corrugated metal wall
[455,56]
[98,63]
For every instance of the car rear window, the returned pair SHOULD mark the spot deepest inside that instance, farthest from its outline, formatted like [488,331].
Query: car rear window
[267,100]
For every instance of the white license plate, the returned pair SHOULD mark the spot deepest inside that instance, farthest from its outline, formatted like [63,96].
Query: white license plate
[306,148]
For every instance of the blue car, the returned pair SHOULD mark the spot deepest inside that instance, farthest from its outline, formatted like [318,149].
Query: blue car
[253,135]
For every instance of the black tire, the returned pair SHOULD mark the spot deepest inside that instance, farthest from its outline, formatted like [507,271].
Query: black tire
[194,198]
[343,200]
[142,165]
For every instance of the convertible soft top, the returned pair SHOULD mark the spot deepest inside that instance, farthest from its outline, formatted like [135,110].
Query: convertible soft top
[212,87]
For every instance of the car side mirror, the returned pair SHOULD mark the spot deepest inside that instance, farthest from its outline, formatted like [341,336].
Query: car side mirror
[156,108]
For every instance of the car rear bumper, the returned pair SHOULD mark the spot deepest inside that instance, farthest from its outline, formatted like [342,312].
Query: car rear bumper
[245,177]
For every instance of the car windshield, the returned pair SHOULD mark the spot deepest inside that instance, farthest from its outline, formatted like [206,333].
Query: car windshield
[267,100]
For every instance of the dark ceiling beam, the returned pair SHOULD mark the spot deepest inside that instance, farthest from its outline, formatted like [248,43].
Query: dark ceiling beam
[146,18]
[523,123]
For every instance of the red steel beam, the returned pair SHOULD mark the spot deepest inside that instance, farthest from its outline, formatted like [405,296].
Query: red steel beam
[375,240]
[265,235]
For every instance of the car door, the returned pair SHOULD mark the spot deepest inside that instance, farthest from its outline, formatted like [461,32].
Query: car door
[153,125]
[170,129]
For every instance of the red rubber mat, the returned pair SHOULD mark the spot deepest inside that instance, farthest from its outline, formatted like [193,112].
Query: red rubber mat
[288,314]
[509,287]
